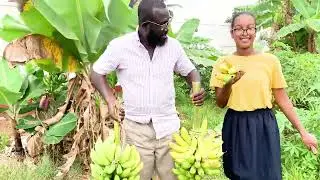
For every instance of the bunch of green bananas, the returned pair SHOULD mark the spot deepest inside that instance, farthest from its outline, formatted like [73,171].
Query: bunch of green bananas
[111,161]
[197,156]
[227,72]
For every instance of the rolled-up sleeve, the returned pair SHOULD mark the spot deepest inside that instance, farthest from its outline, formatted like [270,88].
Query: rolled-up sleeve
[108,61]
[183,64]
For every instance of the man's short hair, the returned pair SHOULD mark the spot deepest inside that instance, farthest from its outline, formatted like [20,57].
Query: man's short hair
[145,9]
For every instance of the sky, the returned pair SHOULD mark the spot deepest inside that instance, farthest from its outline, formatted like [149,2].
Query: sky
[208,11]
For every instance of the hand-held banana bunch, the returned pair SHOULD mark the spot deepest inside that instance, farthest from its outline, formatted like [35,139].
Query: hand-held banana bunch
[227,72]
[196,156]
[196,153]
[111,161]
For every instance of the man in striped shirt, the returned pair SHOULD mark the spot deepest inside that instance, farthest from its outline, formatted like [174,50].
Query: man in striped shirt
[145,62]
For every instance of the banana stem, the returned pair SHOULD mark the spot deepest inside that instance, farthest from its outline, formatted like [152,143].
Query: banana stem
[197,120]
[116,127]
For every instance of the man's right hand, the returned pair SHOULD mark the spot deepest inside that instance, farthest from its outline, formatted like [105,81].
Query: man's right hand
[113,108]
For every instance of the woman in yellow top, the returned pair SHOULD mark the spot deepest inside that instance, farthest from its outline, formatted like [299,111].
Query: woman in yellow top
[250,131]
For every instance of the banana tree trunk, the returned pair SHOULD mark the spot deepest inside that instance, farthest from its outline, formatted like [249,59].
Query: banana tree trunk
[18,148]
[287,11]
[312,42]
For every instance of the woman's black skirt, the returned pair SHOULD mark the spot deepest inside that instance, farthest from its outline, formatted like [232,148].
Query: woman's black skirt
[251,145]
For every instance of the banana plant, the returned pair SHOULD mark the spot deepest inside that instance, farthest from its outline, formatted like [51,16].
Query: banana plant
[17,92]
[307,17]
[197,49]
[68,36]
[268,13]
[20,90]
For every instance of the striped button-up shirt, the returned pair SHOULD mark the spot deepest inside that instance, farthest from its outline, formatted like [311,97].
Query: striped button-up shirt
[147,84]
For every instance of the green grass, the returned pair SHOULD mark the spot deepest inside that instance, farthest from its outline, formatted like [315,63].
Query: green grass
[46,169]
[208,110]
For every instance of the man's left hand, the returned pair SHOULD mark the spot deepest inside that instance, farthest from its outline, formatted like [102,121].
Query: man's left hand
[198,98]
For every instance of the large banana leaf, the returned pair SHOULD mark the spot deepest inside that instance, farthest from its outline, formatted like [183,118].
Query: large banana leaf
[8,97]
[10,84]
[115,7]
[90,24]
[302,7]
[289,29]
[10,78]
[75,20]
[314,24]
[28,122]
[57,132]
[316,4]
[12,28]
[35,89]
[36,22]
[187,30]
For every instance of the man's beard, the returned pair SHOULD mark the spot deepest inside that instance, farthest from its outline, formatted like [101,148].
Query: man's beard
[154,39]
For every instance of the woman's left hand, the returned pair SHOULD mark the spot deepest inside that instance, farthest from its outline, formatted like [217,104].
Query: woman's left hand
[310,141]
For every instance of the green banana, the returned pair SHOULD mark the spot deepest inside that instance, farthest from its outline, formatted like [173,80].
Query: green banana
[176,171]
[185,165]
[129,164]
[200,172]
[185,135]
[191,159]
[193,170]
[125,154]
[214,163]
[197,177]
[189,175]
[109,169]
[137,170]
[212,172]
[110,151]
[198,156]
[116,177]
[197,164]
[119,169]
[179,140]
[182,177]
[125,173]
[177,148]
[131,177]
[96,171]
[194,143]
[99,158]
[107,178]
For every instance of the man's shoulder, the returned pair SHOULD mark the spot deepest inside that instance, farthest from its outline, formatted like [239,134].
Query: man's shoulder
[173,43]
[172,40]
[124,39]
